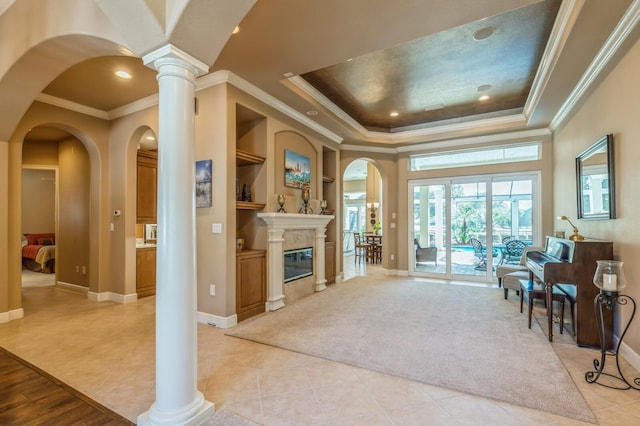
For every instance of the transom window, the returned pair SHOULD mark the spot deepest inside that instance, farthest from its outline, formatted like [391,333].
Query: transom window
[476,156]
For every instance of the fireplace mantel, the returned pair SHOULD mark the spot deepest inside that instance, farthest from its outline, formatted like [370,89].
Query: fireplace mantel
[295,220]
[278,224]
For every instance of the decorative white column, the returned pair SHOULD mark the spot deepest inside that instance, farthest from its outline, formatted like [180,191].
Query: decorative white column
[275,257]
[318,259]
[178,401]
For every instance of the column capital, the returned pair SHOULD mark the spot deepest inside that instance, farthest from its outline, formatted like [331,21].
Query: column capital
[169,52]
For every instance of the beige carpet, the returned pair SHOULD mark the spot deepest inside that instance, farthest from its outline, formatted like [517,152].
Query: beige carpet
[459,337]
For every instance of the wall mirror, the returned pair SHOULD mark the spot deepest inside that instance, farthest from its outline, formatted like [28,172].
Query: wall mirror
[595,175]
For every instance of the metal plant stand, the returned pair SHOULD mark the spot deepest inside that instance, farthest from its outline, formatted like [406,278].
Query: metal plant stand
[608,300]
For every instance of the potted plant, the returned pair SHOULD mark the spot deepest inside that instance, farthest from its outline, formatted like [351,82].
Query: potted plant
[377,228]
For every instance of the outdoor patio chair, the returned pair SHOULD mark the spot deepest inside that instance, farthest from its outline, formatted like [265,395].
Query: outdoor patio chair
[480,251]
[425,254]
[513,250]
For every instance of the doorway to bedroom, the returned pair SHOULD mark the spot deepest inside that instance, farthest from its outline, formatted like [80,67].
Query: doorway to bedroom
[39,222]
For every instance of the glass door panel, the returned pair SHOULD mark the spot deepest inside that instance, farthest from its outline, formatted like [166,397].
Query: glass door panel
[459,225]
[429,229]
[471,255]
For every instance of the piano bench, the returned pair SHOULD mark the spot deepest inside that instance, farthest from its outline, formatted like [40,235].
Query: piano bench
[536,290]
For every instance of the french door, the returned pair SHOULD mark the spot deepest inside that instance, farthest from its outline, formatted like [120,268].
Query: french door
[457,225]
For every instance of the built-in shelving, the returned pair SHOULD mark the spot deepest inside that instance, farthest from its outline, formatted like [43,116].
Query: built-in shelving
[244,158]
[247,205]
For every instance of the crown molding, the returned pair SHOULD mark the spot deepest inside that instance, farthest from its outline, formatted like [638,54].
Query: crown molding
[139,105]
[451,143]
[72,106]
[608,50]
[567,16]
[229,77]
[369,149]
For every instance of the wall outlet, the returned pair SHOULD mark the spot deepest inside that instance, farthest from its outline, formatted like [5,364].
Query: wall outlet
[84,270]
[77,268]
[216,228]
[393,256]
[212,289]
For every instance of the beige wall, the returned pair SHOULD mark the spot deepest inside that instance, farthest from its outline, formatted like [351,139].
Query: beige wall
[611,108]
[38,201]
[40,153]
[72,239]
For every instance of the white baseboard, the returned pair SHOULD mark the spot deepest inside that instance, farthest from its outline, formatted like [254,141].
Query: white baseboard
[72,287]
[402,273]
[112,297]
[630,355]
[14,314]
[220,322]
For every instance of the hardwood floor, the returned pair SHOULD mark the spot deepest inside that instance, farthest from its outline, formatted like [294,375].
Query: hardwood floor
[30,396]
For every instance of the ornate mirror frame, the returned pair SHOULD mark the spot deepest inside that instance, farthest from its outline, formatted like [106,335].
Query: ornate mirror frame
[595,179]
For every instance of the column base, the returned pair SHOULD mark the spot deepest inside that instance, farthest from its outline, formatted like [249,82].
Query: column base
[275,304]
[207,410]
[321,285]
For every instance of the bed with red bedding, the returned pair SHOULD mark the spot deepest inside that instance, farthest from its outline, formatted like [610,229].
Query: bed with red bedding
[39,252]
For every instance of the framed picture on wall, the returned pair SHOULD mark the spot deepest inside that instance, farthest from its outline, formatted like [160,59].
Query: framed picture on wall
[203,183]
[297,170]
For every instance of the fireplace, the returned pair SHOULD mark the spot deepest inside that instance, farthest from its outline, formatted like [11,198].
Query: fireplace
[298,264]
[289,232]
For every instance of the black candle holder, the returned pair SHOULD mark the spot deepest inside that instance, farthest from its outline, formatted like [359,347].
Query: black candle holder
[607,300]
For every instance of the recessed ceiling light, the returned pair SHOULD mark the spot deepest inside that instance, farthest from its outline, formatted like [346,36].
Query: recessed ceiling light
[236,30]
[312,112]
[483,97]
[484,87]
[288,74]
[123,74]
[484,33]
[150,138]
[394,114]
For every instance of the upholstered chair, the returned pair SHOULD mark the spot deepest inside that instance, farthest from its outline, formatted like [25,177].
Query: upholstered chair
[509,275]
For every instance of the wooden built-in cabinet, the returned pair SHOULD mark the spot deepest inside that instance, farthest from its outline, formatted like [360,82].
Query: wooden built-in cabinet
[147,187]
[330,261]
[251,283]
[146,271]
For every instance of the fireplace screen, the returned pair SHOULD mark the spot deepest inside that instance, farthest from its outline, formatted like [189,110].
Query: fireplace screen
[298,264]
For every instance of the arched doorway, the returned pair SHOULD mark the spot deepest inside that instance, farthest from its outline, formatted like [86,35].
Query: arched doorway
[55,208]
[362,214]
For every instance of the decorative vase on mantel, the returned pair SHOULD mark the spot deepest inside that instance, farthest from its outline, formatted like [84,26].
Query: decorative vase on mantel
[306,196]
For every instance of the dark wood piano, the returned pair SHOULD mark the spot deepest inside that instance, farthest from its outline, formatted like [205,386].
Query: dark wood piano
[570,265]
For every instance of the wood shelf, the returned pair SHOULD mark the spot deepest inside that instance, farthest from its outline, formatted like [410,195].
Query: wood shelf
[244,205]
[244,158]
[329,212]
[328,179]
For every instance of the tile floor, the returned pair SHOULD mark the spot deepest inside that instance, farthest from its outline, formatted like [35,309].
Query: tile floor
[106,351]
